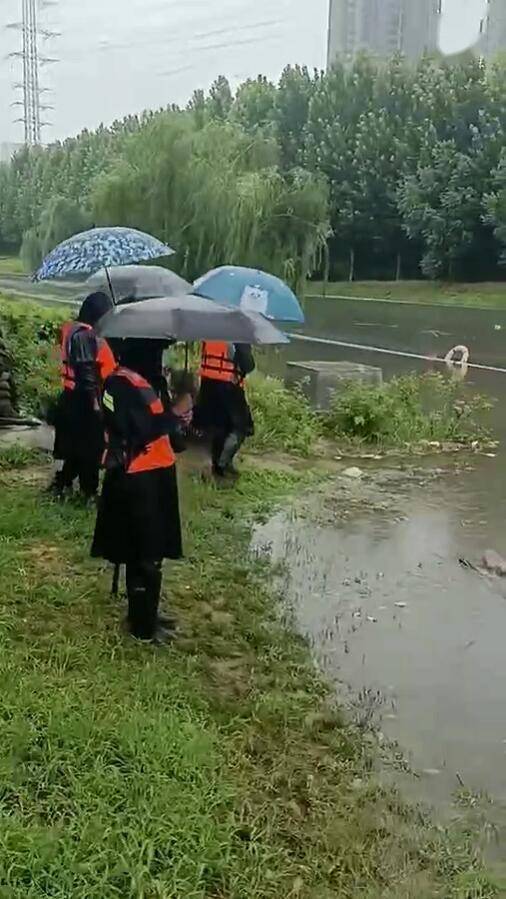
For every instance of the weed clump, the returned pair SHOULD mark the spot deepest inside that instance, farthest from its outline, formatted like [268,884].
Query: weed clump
[18,456]
[283,419]
[31,333]
[407,410]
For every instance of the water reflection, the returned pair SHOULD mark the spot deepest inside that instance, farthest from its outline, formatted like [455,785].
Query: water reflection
[381,595]
[390,612]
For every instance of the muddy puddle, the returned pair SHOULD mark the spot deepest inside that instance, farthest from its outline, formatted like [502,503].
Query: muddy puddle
[416,641]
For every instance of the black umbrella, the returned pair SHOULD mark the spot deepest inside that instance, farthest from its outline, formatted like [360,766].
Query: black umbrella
[138,282]
[187,318]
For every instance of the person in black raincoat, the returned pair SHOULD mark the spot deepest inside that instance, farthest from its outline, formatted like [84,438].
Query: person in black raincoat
[86,361]
[138,522]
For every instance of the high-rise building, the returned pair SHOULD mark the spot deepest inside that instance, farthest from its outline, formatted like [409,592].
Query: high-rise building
[382,27]
[493,29]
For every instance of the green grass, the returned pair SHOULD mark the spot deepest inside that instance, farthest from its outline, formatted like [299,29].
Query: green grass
[11,265]
[483,295]
[18,456]
[216,768]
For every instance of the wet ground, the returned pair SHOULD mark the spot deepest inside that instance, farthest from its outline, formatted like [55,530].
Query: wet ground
[372,574]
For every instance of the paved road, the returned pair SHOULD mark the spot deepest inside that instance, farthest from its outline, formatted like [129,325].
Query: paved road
[48,293]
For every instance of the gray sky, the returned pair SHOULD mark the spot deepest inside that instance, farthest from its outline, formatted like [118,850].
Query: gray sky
[121,56]
[461,23]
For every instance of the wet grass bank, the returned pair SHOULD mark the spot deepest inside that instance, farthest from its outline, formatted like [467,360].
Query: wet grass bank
[216,768]
[483,295]
[11,265]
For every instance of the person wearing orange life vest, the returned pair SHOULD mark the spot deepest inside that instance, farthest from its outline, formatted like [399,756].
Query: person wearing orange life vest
[138,523]
[86,361]
[222,407]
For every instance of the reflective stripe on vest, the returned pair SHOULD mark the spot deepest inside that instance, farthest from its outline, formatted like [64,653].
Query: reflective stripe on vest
[158,453]
[105,360]
[216,362]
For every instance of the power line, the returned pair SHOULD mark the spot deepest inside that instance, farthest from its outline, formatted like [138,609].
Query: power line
[193,43]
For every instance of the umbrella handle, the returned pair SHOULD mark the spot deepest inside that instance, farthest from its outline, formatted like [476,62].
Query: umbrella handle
[111,291]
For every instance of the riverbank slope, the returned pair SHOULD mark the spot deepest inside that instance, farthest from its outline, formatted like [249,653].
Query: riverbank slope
[218,767]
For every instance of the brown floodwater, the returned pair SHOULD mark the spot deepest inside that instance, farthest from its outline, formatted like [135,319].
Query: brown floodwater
[415,640]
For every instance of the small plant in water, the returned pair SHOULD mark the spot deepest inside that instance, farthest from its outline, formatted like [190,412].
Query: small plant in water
[407,410]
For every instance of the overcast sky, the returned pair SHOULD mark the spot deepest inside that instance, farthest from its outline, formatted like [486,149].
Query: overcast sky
[121,56]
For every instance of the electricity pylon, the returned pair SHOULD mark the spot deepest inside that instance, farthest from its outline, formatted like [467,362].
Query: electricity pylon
[32,59]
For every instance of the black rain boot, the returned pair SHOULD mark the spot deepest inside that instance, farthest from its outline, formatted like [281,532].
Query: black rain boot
[166,625]
[216,451]
[230,449]
[141,624]
[144,581]
[88,483]
[56,488]
[142,605]
[143,620]
[63,481]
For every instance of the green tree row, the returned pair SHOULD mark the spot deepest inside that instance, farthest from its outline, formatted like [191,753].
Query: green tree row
[414,158]
[370,170]
[210,189]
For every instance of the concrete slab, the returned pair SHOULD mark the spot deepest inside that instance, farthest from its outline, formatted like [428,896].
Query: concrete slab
[41,437]
[320,380]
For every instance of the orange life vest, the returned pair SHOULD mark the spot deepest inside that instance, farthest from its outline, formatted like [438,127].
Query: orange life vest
[158,453]
[217,364]
[105,360]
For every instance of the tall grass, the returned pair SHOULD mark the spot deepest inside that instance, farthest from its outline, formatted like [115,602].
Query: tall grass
[284,421]
[31,332]
[407,410]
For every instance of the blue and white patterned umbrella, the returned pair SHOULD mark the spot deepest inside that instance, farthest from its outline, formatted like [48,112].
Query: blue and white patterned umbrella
[86,253]
[251,290]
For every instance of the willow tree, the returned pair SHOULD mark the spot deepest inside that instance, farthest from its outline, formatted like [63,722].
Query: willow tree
[60,219]
[217,195]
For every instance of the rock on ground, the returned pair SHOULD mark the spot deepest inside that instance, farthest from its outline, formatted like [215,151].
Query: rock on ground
[494,563]
[355,473]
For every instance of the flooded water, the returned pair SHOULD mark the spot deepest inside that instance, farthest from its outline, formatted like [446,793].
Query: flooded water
[419,640]
[426,330]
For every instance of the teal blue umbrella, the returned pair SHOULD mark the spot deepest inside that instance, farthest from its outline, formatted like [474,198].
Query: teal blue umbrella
[251,290]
